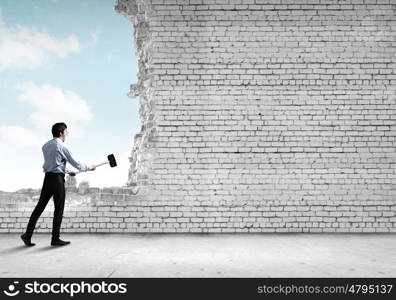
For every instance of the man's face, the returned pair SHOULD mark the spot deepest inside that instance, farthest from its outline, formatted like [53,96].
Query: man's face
[63,135]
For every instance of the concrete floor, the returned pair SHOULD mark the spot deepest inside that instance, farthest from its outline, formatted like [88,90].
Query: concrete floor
[201,255]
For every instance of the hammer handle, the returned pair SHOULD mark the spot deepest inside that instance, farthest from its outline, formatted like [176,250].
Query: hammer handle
[101,164]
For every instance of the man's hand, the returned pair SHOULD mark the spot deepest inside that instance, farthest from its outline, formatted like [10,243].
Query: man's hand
[72,174]
[93,168]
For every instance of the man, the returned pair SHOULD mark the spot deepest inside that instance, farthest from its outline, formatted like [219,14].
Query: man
[55,157]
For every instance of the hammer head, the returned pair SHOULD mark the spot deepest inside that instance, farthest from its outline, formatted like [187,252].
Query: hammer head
[112,160]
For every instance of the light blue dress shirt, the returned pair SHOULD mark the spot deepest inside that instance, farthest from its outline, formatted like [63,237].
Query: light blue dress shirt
[56,155]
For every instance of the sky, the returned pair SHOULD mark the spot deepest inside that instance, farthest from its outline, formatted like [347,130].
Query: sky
[66,61]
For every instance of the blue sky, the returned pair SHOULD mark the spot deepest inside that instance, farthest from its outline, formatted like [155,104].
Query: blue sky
[70,61]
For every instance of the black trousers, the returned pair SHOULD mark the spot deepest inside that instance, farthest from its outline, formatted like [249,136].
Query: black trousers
[53,185]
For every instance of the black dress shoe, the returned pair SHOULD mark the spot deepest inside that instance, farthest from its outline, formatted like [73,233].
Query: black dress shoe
[59,242]
[26,240]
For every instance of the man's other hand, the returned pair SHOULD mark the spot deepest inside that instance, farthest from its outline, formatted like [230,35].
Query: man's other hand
[93,168]
[72,173]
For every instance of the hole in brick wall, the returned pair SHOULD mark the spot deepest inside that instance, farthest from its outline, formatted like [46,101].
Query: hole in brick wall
[95,74]
[123,115]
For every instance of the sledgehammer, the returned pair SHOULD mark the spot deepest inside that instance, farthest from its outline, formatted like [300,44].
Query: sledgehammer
[110,160]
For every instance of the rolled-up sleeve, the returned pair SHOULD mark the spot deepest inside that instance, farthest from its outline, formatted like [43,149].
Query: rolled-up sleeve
[69,157]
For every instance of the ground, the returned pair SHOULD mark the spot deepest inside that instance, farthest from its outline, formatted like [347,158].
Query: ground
[201,255]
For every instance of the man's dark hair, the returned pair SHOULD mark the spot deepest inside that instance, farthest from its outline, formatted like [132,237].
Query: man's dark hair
[58,128]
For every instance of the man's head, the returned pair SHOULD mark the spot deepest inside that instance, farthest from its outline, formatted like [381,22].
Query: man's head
[59,130]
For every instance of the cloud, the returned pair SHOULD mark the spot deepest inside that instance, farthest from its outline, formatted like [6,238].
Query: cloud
[53,104]
[20,158]
[17,136]
[28,47]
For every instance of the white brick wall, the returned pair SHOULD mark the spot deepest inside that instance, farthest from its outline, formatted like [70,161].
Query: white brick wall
[281,112]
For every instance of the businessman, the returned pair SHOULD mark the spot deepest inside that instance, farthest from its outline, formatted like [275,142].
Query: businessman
[55,157]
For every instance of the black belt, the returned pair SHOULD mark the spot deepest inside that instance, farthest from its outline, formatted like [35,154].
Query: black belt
[54,174]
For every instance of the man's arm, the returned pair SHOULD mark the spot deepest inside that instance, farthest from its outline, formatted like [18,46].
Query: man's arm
[73,162]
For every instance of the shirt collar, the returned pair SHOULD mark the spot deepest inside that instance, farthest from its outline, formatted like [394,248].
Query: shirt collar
[58,140]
